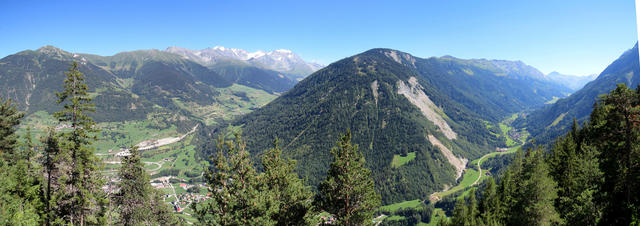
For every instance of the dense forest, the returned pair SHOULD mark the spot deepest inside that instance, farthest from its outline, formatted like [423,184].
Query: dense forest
[591,175]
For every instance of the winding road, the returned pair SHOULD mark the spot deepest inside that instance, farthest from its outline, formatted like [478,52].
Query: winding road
[436,196]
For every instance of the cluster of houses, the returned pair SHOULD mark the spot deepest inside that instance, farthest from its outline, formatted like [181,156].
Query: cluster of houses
[186,200]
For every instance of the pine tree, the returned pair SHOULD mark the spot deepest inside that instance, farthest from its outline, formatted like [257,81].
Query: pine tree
[466,211]
[489,204]
[525,196]
[615,131]
[538,192]
[137,201]
[9,119]
[235,195]
[473,207]
[52,171]
[574,166]
[83,199]
[20,185]
[508,190]
[292,200]
[28,151]
[348,191]
[460,214]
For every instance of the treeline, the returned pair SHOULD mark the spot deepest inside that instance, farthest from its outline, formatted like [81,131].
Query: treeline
[591,175]
[277,196]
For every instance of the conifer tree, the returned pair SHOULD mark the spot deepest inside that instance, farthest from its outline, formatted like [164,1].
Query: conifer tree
[137,201]
[52,171]
[348,191]
[466,211]
[537,193]
[235,195]
[292,200]
[615,130]
[489,204]
[83,199]
[9,119]
[28,151]
[574,166]
[525,196]
[460,214]
[20,185]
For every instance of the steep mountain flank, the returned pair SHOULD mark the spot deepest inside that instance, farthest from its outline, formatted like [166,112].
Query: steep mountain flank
[394,104]
[547,123]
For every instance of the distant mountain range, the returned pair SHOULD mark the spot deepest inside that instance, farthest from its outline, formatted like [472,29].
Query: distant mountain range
[282,60]
[573,82]
[443,111]
[547,123]
[126,86]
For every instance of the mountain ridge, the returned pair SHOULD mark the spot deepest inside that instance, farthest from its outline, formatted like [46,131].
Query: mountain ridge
[364,93]
[550,121]
[574,82]
[280,60]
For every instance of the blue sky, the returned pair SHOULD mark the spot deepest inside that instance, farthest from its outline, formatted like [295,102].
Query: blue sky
[569,36]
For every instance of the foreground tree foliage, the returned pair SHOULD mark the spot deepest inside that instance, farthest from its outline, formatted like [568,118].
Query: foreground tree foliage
[292,201]
[525,196]
[241,196]
[574,166]
[20,184]
[80,197]
[591,176]
[58,182]
[348,191]
[614,130]
[236,198]
[137,202]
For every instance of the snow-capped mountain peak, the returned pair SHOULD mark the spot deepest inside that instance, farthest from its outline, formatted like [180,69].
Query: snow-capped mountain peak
[281,60]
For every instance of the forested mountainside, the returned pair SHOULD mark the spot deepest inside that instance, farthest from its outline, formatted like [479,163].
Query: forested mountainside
[440,110]
[553,120]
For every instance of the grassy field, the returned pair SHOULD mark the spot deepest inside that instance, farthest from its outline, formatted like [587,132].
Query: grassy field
[229,104]
[557,120]
[505,132]
[406,204]
[399,160]
[115,135]
[492,154]
[469,176]
[553,100]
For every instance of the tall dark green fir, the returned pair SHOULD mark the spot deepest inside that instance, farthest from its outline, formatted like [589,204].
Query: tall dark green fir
[233,182]
[137,201]
[83,198]
[292,200]
[348,190]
